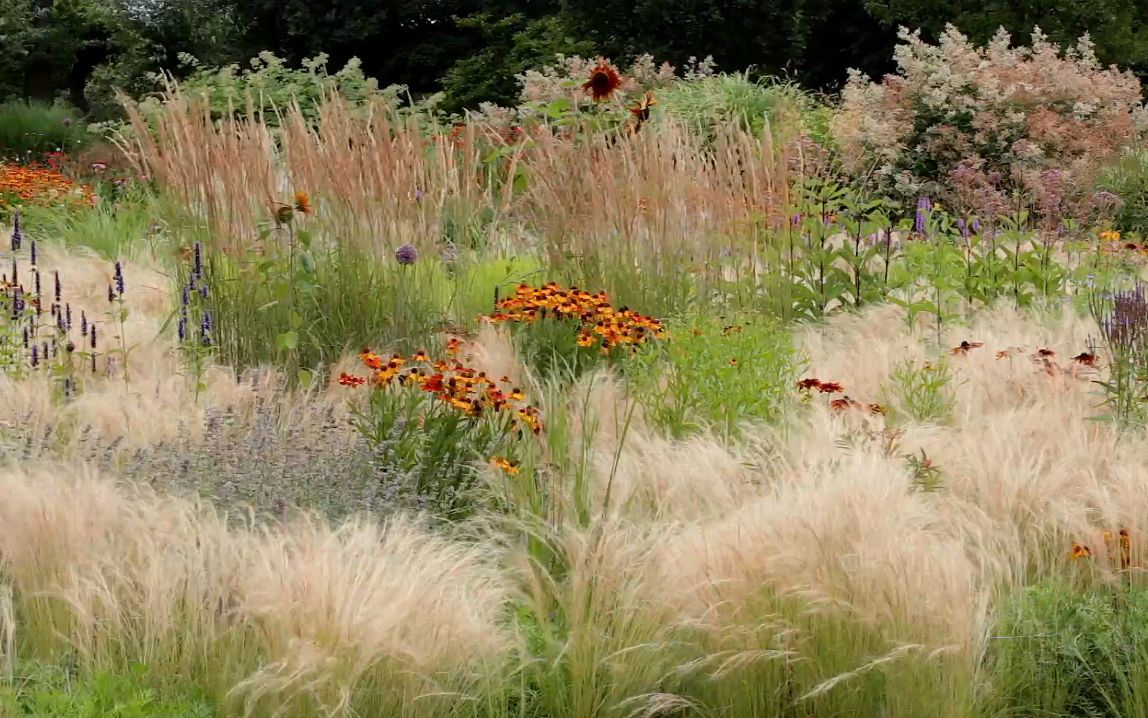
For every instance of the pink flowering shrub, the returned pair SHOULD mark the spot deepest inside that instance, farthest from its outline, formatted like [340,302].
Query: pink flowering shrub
[976,123]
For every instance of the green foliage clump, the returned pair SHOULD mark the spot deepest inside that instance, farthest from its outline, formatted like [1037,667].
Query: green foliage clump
[1060,650]
[1127,178]
[716,373]
[923,391]
[301,306]
[30,130]
[42,691]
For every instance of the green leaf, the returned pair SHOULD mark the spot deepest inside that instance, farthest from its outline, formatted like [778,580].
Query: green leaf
[307,262]
[288,341]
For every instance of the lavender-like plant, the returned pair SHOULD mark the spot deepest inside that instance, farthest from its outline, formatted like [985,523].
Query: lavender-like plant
[1123,320]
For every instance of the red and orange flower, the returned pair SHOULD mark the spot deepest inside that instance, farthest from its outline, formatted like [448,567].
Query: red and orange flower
[604,80]
[467,390]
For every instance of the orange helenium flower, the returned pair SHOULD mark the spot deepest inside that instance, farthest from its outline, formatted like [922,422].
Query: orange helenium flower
[1079,551]
[302,203]
[505,465]
[604,80]
[641,111]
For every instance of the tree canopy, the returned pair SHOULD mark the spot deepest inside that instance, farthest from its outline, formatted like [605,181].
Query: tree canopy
[79,50]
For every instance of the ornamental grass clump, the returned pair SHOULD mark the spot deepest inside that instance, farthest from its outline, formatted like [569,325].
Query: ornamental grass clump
[572,329]
[434,420]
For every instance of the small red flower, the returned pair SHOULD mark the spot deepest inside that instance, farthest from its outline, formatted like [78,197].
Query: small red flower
[1085,359]
[351,380]
[965,347]
[844,404]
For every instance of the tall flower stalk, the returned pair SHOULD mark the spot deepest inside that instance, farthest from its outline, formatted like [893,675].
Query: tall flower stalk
[1123,320]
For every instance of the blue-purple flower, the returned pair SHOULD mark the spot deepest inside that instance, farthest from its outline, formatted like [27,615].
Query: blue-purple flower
[17,235]
[197,270]
[205,328]
[924,206]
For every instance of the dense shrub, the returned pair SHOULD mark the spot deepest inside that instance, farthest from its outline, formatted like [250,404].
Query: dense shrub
[990,119]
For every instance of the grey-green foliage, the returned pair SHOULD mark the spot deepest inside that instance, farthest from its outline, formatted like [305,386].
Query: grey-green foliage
[269,83]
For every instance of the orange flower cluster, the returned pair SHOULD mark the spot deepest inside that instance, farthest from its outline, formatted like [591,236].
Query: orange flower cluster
[1112,242]
[601,324]
[40,185]
[470,391]
[1118,546]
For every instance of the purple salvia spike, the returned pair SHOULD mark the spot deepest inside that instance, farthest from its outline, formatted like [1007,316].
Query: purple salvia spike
[197,270]
[17,235]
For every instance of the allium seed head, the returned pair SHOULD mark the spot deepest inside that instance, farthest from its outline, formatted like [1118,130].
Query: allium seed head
[407,254]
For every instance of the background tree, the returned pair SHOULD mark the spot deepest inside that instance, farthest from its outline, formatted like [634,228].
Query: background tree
[511,45]
[1119,28]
